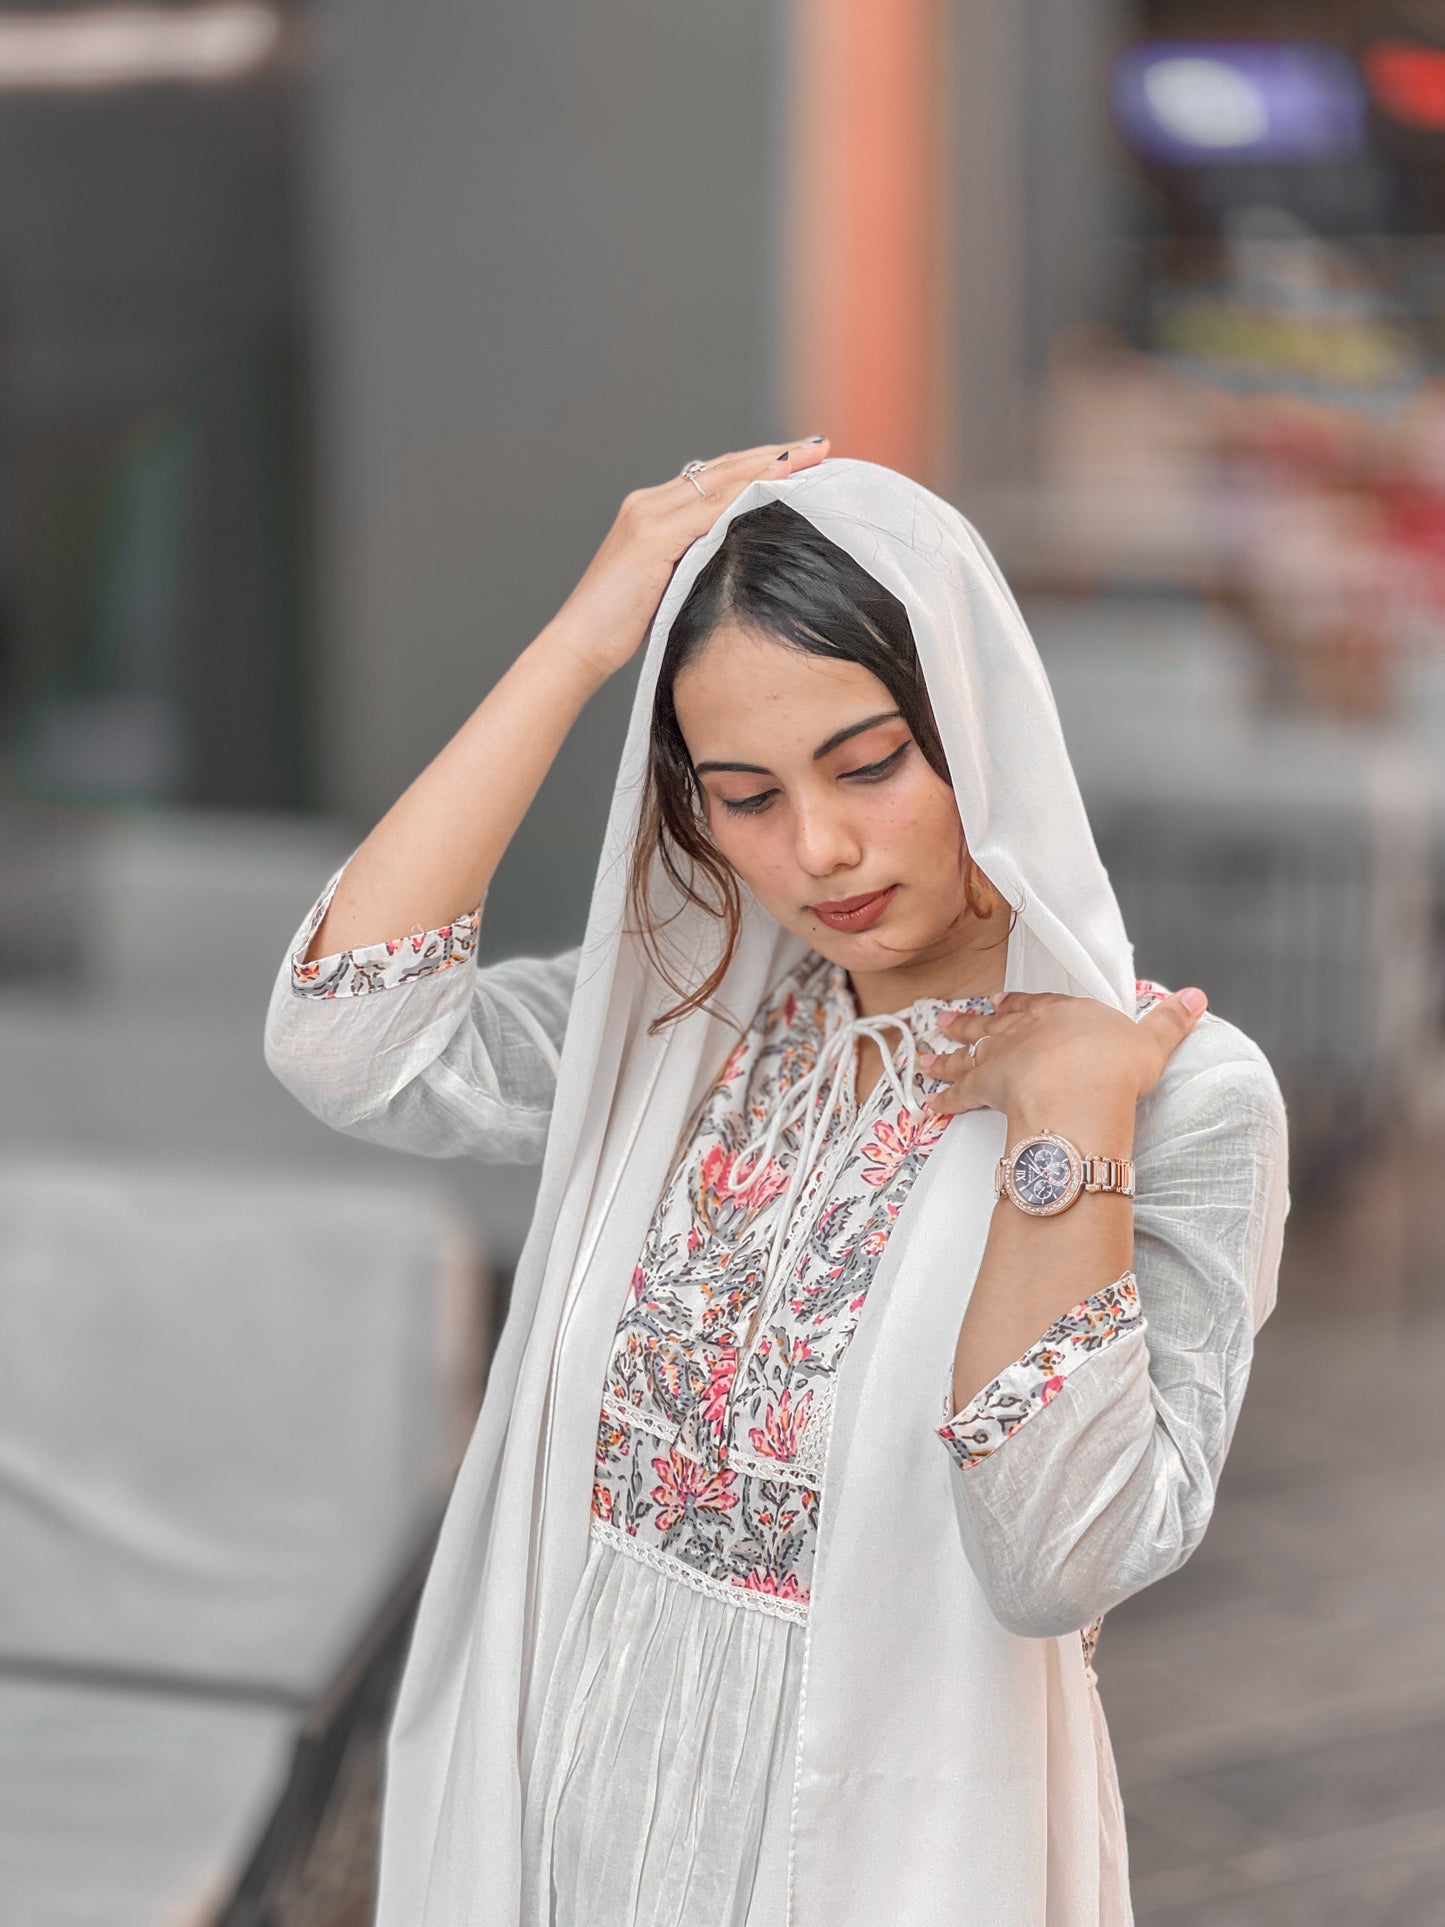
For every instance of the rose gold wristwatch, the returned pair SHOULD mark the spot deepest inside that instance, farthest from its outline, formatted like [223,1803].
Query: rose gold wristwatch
[1045,1173]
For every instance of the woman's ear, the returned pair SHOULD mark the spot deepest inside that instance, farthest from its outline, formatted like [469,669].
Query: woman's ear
[982,896]
[978,893]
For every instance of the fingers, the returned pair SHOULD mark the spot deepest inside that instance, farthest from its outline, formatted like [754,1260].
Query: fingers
[800,453]
[954,1069]
[947,1065]
[965,1024]
[959,1086]
[791,457]
[724,476]
[958,1070]
[969,1027]
[1176,1016]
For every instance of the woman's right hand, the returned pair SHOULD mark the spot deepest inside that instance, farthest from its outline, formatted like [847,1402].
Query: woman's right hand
[434,853]
[608,615]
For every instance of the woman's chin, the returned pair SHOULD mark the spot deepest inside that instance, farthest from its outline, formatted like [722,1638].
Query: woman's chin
[868,950]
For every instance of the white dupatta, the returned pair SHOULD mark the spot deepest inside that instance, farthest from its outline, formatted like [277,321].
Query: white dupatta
[946,1768]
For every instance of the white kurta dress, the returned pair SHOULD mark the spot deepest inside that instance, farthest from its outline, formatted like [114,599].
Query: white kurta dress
[950,1762]
[659,1787]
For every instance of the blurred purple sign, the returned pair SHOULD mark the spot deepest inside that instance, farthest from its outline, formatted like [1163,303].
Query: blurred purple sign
[1197,101]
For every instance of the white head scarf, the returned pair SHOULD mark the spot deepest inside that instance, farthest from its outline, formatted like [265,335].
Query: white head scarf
[924,1721]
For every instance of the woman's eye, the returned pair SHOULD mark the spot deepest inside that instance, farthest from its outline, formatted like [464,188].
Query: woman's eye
[874,772]
[747,805]
[865,773]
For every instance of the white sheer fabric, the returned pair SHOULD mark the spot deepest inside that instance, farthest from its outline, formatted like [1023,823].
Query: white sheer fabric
[659,1789]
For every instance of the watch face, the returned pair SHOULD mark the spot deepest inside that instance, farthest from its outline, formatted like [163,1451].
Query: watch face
[1043,1175]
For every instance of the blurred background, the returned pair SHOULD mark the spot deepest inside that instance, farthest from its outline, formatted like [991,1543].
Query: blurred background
[331,336]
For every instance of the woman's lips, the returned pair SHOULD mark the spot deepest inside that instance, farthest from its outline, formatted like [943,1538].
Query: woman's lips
[854,913]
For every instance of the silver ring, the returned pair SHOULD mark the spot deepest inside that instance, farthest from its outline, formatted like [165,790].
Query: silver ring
[692,471]
[973,1047]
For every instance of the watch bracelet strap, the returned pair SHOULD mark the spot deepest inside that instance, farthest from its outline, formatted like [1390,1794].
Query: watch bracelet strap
[1109,1174]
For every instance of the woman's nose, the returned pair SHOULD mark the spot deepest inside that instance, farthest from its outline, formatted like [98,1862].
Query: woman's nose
[825,843]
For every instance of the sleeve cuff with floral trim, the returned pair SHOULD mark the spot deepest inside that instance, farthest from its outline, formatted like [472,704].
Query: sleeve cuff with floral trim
[380,966]
[1028,1384]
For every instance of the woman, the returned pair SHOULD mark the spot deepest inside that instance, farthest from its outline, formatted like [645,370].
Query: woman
[832,1411]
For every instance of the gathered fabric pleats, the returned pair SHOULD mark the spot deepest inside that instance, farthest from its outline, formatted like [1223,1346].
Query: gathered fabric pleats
[664,1758]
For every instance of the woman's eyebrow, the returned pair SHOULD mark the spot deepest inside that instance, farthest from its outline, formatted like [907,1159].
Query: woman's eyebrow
[853,729]
[838,737]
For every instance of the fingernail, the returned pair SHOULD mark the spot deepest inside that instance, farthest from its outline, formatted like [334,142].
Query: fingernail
[928,1057]
[1193,1001]
[817,438]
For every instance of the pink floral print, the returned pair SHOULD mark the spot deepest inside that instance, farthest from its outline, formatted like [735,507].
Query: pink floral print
[1034,1380]
[684,1488]
[711,1452]
[892,1144]
[380,966]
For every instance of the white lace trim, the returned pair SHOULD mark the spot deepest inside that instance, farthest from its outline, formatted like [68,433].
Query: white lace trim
[805,1468]
[636,1417]
[677,1569]
[811,1458]
[785,1471]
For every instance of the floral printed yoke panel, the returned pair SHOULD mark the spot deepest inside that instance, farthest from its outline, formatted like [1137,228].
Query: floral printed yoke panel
[715,1415]
[711,1449]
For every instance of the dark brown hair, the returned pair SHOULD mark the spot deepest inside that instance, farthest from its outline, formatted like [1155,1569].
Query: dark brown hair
[774,573]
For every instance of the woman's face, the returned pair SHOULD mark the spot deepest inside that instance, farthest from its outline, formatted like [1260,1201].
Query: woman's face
[817,795]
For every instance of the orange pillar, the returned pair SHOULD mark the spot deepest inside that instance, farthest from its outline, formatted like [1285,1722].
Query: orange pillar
[863,331]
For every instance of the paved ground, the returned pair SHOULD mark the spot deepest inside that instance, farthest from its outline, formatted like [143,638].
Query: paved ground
[1278,1706]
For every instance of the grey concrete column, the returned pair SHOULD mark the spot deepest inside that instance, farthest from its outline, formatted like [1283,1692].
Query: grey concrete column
[544,242]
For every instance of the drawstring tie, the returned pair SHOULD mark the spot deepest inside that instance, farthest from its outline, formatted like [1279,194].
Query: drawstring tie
[832,1064]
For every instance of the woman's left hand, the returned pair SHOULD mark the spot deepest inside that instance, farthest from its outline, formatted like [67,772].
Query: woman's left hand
[1041,1049]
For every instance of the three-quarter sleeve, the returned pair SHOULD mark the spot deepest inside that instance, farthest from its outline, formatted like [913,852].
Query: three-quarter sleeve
[1038,1375]
[379,966]
[1088,1468]
[412,1044]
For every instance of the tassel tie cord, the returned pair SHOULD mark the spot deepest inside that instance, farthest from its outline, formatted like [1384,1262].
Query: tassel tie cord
[832,1065]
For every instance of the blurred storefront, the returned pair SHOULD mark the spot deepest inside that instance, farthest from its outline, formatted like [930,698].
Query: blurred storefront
[1262,418]
[1226,505]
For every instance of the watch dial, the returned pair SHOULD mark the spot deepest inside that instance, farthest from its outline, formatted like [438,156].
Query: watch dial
[1042,1173]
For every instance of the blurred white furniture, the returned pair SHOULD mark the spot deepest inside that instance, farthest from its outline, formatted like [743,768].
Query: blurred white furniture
[230,1407]
[137,954]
